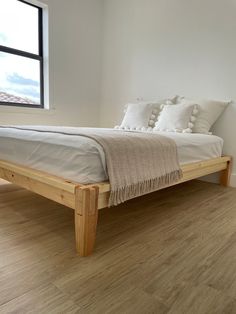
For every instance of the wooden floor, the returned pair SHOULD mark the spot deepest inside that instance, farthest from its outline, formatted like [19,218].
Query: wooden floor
[173,251]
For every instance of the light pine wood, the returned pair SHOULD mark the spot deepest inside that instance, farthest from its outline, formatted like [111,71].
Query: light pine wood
[56,189]
[86,216]
[40,176]
[190,172]
[170,252]
[87,199]
[225,175]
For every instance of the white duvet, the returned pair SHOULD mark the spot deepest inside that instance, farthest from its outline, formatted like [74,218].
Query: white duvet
[82,159]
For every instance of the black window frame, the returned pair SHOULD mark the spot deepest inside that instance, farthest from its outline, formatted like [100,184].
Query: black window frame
[33,56]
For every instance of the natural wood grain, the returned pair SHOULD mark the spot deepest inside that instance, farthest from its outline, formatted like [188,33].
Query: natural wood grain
[41,176]
[53,188]
[63,191]
[178,257]
[87,199]
[190,171]
[86,216]
[225,175]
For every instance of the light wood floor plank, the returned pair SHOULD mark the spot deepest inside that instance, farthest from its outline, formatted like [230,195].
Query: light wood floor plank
[44,300]
[173,251]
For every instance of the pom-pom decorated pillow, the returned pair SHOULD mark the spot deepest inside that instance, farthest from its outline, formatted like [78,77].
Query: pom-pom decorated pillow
[140,116]
[209,112]
[177,118]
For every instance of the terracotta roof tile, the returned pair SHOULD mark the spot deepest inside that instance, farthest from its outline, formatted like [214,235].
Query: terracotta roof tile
[5,97]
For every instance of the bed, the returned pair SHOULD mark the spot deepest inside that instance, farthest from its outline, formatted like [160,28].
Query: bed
[33,160]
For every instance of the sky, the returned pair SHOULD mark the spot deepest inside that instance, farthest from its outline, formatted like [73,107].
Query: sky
[19,29]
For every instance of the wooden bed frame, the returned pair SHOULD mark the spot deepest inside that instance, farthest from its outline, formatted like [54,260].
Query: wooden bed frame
[86,200]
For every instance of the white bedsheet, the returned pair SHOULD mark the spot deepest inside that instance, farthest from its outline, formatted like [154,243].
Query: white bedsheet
[82,159]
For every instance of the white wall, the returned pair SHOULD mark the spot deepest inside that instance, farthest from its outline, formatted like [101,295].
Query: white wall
[158,48]
[75,32]
[148,48]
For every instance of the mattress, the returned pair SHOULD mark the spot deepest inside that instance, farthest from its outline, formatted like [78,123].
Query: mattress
[82,159]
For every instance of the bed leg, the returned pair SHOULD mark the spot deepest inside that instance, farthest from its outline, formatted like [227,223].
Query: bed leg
[86,216]
[225,175]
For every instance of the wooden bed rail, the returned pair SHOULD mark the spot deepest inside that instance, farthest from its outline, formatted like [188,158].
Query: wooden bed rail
[190,172]
[54,188]
[87,199]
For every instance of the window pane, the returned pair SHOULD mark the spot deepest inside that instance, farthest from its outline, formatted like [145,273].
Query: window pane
[19,79]
[19,26]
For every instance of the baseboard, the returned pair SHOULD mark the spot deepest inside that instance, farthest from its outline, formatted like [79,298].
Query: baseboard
[233,180]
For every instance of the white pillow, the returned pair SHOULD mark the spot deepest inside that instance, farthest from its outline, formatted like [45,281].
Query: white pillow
[209,112]
[142,116]
[177,118]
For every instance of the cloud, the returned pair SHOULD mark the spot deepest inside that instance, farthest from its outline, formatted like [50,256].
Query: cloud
[30,92]
[15,78]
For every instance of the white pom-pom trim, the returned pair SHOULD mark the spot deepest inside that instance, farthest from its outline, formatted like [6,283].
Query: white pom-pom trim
[169,102]
[154,115]
[162,106]
[192,119]
[144,129]
[190,124]
[178,130]
[156,108]
[187,130]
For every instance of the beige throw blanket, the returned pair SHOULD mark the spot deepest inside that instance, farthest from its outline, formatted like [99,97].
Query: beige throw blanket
[137,163]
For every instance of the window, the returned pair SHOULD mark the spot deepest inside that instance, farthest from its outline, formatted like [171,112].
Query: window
[21,54]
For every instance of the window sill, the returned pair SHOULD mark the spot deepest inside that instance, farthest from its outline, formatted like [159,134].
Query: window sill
[23,110]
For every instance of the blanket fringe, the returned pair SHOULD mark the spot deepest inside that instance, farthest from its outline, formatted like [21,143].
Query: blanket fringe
[120,195]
